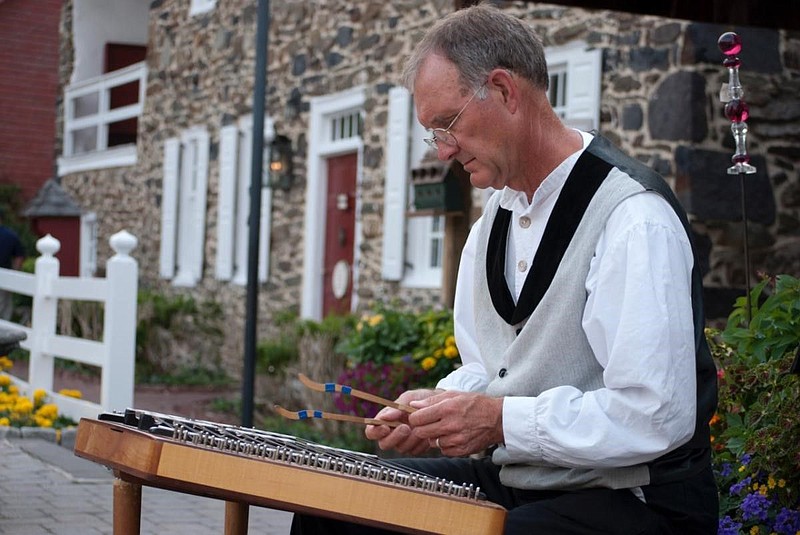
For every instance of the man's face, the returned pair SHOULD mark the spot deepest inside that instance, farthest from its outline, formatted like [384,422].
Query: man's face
[467,131]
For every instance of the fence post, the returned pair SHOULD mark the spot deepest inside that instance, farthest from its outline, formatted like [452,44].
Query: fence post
[119,326]
[43,317]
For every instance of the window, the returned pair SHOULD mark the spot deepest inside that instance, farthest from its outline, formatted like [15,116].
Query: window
[574,91]
[557,92]
[233,210]
[183,207]
[100,116]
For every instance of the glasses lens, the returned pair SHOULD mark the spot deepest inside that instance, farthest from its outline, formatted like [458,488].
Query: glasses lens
[445,138]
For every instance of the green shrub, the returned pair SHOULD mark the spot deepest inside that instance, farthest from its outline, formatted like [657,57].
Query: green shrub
[384,337]
[756,438]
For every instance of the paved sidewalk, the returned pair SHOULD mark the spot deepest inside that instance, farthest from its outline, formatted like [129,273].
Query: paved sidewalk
[46,489]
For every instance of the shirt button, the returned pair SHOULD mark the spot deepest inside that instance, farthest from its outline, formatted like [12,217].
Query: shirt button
[524,221]
[502,372]
[522,265]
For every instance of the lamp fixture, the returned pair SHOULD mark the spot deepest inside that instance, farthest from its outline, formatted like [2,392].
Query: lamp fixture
[280,163]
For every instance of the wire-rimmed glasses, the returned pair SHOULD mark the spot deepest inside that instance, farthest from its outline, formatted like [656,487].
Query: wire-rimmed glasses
[443,135]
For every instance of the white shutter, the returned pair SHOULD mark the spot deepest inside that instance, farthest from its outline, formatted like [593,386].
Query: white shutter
[264,233]
[583,89]
[397,173]
[242,239]
[169,207]
[226,207]
[198,216]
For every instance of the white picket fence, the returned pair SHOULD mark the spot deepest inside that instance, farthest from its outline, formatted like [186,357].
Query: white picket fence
[114,355]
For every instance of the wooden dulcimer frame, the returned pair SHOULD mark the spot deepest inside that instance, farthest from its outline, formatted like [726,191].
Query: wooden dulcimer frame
[243,476]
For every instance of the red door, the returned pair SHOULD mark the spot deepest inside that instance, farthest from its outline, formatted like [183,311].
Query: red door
[340,221]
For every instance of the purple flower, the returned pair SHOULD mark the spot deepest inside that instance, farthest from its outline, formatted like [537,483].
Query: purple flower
[746,458]
[725,470]
[728,527]
[737,488]
[787,522]
[755,505]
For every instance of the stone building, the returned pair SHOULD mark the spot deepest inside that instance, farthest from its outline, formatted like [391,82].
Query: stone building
[159,142]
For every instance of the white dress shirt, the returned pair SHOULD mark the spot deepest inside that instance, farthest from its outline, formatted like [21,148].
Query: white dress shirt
[637,319]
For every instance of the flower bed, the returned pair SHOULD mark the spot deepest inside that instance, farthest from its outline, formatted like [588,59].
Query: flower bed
[19,411]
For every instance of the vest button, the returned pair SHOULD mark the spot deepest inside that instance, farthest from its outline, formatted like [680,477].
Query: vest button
[502,372]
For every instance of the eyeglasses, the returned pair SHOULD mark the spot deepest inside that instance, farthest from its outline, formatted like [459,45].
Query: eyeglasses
[443,135]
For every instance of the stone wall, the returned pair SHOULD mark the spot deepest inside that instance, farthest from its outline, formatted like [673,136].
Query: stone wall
[660,86]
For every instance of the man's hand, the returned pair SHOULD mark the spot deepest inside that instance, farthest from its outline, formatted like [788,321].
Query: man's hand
[400,438]
[458,423]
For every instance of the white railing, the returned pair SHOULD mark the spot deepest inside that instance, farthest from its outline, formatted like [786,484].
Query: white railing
[114,355]
[88,114]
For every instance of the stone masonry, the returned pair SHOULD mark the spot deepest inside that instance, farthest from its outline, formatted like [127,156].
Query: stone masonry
[660,102]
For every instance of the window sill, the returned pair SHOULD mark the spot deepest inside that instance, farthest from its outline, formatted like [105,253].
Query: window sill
[121,156]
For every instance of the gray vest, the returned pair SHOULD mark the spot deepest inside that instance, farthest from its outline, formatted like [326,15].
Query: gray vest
[551,348]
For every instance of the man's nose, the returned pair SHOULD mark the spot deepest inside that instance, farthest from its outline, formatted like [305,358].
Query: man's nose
[446,152]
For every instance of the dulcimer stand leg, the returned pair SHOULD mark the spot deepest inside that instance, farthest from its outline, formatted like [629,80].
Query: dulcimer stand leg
[236,517]
[127,507]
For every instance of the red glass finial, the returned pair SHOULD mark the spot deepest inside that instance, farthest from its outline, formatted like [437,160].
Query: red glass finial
[730,43]
[737,111]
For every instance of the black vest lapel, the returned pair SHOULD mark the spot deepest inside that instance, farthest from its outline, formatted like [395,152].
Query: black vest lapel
[579,188]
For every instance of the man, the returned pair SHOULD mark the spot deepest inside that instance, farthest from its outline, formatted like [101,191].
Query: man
[578,311]
[11,256]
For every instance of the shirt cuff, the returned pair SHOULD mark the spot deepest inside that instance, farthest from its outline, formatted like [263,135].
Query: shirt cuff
[519,430]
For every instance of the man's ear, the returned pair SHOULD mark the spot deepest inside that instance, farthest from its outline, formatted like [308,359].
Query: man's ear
[506,84]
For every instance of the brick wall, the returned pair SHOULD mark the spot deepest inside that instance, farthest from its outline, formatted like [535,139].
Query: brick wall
[29,64]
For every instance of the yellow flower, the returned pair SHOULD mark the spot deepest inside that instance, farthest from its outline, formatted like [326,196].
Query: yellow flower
[741,469]
[771,482]
[38,396]
[5,422]
[5,380]
[376,319]
[450,352]
[48,411]
[450,341]
[428,363]
[438,353]
[781,483]
[23,406]
[71,393]
[13,389]
[6,363]
[41,421]
[755,530]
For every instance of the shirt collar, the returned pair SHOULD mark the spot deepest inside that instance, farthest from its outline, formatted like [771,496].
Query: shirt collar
[517,201]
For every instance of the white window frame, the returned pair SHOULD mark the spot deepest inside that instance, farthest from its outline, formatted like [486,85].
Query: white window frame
[184,207]
[233,208]
[96,93]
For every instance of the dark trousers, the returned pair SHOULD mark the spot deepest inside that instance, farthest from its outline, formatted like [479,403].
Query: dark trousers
[685,507]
